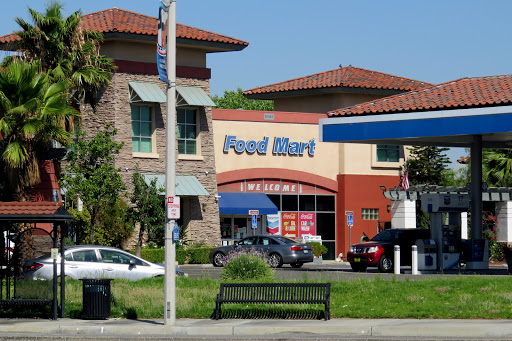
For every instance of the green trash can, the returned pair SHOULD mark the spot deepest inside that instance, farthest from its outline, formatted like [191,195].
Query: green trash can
[96,299]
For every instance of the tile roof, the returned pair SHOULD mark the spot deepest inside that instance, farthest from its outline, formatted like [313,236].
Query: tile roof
[461,93]
[123,21]
[29,208]
[348,76]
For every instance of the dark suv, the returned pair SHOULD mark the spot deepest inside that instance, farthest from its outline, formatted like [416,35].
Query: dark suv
[379,251]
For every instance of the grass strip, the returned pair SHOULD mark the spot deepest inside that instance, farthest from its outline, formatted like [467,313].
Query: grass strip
[447,297]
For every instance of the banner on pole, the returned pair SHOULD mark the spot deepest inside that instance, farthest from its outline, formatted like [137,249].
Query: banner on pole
[161,43]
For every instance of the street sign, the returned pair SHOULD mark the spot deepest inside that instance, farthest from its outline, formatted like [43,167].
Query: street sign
[349,212]
[254,221]
[254,212]
[176,232]
[350,220]
[173,208]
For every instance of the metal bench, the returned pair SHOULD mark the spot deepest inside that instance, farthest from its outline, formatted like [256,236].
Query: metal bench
[301,293]
[24,303]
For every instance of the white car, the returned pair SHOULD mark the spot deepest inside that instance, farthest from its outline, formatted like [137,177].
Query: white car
[94,262]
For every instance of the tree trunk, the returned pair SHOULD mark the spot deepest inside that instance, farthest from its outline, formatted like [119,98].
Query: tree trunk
[139,241]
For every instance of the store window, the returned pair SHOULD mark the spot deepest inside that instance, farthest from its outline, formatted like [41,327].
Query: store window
[142,129]
[388,153]
[290,203]
[187,131]
[306,203]
[370,214]
[325,203]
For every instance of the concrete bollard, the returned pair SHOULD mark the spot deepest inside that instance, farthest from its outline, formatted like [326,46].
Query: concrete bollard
[414,260]
[397,259]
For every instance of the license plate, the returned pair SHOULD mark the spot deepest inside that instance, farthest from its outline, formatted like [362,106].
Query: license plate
[357,259]
[306,251]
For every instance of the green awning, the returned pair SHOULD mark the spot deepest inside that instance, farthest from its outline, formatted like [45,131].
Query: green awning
[146,92]
[186,185]
[192,96]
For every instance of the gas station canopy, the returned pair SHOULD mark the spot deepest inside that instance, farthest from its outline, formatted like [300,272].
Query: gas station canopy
[450,114]
[468,112]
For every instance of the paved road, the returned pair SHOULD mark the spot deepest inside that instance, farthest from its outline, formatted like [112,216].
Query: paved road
[331,270]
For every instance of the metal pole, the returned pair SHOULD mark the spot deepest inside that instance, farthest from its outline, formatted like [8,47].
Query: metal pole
[55,244]
[63,232]
[476,188]
[170,168]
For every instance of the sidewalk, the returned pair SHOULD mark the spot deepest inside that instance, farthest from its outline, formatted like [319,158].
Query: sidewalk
[256,329]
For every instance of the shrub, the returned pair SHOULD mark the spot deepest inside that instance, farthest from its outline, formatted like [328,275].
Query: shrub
[188,256]
[199,255]
[318,249]
[246,264]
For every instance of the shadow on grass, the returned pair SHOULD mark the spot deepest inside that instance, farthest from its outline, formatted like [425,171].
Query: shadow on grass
[265,313]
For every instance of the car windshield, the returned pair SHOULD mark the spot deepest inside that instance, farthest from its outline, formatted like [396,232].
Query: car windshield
[388,235]
[286,240]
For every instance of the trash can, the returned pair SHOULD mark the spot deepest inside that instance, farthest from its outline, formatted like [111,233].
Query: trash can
[96,299]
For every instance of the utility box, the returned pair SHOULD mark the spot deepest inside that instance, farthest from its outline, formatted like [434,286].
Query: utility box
[427,254]
[96,299]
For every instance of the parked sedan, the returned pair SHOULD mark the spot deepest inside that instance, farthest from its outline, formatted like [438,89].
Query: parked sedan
[94,262]
[281,250]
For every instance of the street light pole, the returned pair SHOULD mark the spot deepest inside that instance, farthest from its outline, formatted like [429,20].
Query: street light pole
[170,169]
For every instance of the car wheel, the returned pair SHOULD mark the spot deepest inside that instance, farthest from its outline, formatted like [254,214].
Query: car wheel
[358,267]
[296,265]
[276,261]
[218,259]
[385,264]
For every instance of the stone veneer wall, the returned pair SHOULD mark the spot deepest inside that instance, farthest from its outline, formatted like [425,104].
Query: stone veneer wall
[114,107]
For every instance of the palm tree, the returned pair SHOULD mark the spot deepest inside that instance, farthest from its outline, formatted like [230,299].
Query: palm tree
[497,167]
[32,110]
[66,51]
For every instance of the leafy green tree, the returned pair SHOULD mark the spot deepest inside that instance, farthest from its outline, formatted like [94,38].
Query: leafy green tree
[31,112]
[90,173]
[427,165]
[497,167]
[147,210]
[66,52]
[236,100]
[117,225]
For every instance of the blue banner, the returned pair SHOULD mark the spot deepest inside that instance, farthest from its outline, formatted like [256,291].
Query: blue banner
[161,43]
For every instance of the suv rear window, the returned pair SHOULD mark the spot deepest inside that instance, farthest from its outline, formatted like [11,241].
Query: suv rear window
[388,235]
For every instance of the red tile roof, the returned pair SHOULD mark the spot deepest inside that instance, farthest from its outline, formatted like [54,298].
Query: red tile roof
[461,93]
[29,208]
[349,76]
[123,21]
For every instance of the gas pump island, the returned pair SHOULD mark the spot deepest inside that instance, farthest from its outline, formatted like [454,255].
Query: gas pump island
[448,237]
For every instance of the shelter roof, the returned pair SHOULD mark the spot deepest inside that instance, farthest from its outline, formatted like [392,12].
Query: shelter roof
[458,94]
[116,20]
[33,212]
[343,77]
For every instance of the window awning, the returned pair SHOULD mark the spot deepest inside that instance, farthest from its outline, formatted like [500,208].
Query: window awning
[186,185]
[192,96]
[146,92]
[242,203]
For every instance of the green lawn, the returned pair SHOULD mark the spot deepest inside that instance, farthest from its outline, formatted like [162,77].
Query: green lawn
[454,297]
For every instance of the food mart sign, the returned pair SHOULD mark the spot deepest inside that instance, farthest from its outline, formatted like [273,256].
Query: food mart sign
[281,146]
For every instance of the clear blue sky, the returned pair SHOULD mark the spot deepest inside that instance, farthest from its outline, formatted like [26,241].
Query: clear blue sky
[433,41]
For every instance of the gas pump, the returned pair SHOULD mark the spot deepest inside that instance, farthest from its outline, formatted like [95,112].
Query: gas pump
[446,237]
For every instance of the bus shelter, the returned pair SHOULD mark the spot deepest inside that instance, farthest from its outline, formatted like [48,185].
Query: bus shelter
[32,214]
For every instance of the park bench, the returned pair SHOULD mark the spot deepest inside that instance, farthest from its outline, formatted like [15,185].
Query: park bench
[274,293]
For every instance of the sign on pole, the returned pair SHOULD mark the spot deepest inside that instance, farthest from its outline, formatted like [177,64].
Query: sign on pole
[254,221]
[350,219]
[254,212]
[173,208]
